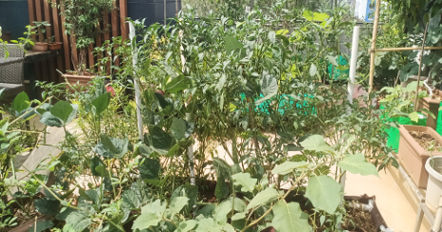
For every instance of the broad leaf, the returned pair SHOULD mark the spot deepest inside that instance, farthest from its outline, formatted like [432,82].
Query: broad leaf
[269,85]
[50,120]
[77,221]
[101,103]
[414,116]
[42,225]
[313,70]
[324,193]
[356,164]
[21,102]
[178,128]
[62,110]
[178,84]
[160,139]
[151,215]
[289,217]
[208,224]
[186,226]
[221,211]
[150,169]
[176,205]
[316,143]
[246,182]
[263,198]
[232,44]
[112,147]
[288,167]
[47,206]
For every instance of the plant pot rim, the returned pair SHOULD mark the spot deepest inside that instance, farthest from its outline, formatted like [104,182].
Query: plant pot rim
[404,131]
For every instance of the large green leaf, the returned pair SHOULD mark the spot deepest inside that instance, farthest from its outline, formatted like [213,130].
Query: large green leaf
[316,143]
[222,209]
[77,221]
[186,226]
[112,147]
[356,164]
[50,120]
[288,167]
[47,206]
[232,44]
[176,205]
[178,84]
[42,225]
[208,224]
[178,128]
[160,139]
[150,169]
[263,198]
[62,110]
[151,215]
[324,193]
[246,182]
[269,85]
[101,103]
[289,218]
[21,102]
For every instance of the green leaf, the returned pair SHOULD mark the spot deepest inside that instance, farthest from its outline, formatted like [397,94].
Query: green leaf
[263,198]
[160,139]
[324,193]
[178,84]
[414,116]
[112,147]
[232,44]
[289,217]
[151,215]
[77,221]
[50,120]
[221,211]
[245,181]
[150,169]
[42,225]
[208,224]
[101,103]
[356,164]
[178,128]
[316,143]
[176,205]
[97,167]
[186,226]
[21,102]
[62,110]
[288,167]
[47,206]
[269,85]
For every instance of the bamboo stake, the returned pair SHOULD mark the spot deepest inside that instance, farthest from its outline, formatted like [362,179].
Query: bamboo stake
[373,44]
[420,68]
[406,49]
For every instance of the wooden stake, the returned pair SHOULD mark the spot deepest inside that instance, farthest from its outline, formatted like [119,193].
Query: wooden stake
[373,45]
[420,68]
[406,49]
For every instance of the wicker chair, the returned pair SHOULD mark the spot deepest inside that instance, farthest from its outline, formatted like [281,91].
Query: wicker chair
[11,70]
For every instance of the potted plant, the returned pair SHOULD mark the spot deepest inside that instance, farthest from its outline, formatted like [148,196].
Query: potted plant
[40,28]
[82,18]
[54,46]
[416,145]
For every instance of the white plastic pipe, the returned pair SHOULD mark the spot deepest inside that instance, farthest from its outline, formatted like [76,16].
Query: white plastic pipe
[353,63]
[137,88]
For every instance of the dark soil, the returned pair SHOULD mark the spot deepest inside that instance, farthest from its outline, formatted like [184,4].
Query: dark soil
[426,141]
[358,220]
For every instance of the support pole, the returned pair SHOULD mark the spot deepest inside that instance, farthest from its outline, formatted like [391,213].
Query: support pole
[373,45]
[353,63]
[420,69]
[136,84]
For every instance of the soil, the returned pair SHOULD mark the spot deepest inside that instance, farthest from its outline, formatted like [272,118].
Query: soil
[358,220]
[426,141]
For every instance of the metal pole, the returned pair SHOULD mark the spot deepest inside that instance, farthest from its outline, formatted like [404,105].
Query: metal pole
[353,63]
[373,45]
[165,11]
[137,89]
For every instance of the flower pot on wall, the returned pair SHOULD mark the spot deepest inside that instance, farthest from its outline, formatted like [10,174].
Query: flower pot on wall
[40,46]
[413,156]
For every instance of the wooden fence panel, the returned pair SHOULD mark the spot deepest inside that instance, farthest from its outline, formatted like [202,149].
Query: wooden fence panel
[111,25]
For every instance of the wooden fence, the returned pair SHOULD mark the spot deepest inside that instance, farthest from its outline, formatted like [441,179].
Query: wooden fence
[112,24]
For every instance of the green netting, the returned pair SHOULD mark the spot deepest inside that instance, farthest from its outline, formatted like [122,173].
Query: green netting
[286,102]
[393,132]
[340,72]
[439,121]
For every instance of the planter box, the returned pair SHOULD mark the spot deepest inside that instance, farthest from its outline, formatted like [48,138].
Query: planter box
[55,46]
[413,156]
[80,79]
[40,46]
[393,132]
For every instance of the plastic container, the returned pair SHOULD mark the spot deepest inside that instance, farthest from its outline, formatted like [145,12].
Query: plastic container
[434,185]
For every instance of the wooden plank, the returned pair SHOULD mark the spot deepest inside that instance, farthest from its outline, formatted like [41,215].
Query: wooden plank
[123,16]
[74,51]
[47,17]
[67,53]
[106,26]
[39,17]
[91,57]
[31,13]
[114,21]
[55,22]
[99,43]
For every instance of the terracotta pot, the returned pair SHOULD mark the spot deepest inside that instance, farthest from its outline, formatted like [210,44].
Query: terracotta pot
[55,46]
[80,79]
[40,46]
[413,156]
